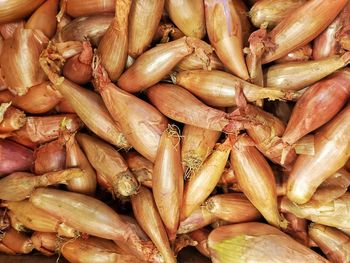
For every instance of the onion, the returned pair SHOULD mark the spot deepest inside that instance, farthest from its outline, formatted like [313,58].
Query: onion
[201,217]
[195,61]
[16,9]
[141,123]
[87,104]
[168,180]
[196,146]
[232,207]
[8,30]
[333,243]
[46,243]
[160,60]
[225,34]
[99,219]
[257,242]
[18,186]
[329,95]
[50,157]
[90,7]
[17,242]
[44,18]
[201,237]
[113,59]
[331,213]
[227,177]
[298,75]
[243,14]
[188,16]
[218,88]
[64,107]
[69,49]
[303,53]
[12,119]
[14,157]
[78,68]
[302,26]
[4,249]
[297,228]
[332,150]
[143,23]
[110,164]
[271,12]
[141,168]
[19,60]
[146,213]
[91,27]
[166,31]
[203,181]
[75,157]
[37,219]
[256,179]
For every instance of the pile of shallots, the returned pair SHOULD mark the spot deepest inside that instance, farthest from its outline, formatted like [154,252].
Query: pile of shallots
[132,130]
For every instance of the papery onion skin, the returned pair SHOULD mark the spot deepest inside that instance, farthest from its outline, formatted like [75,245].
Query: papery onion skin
[297,228]
[46,243]
[90,7]
[201,217]
[201,236]
[14,157]
[302,26]
[303,53]
[13,10]
[12,120]
[318,105]
[225,34]
[257,242]
[332,150]
[141,168]
[17,241]
[143,12]
[7,30]
[188,16]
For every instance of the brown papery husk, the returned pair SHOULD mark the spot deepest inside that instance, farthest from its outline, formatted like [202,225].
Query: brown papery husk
[298,75]
[17,241]
[224,30]
[7,30]
[14,157]
[147,215]
[87,104]
[69,49]
[46,243]
[204,180]
[218,88]
[228,177]
[188,16]
[197,144]
[333,213]
[50,157]
[333,187]
[256,179]
[99,219]
[332,151]
[200,217]
[180,105]
[166,31]
[39,99]
[37,219]
[108,162]
[19,60]
[318,105]
[17,9]
[257,242]
[75,157]
[328,43]
[94,249]
[19,185]
[232,207]
[267,136]
[168,184]
[297,228]
[90,7]
[333,242]
[64,107]
[113,59]
[13,119]
[44,18]
[302,26]
[303,53]
[140,167]
[160,60]
[272,12]
[78,68]
[194,62]
[143,12]
[49,127]
[141,123]
[201,237]
[91,27]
